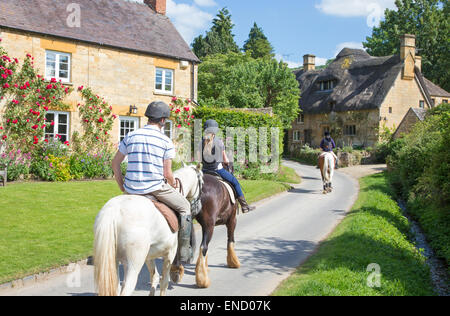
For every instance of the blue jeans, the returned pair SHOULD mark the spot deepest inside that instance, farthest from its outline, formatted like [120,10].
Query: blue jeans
[230,178]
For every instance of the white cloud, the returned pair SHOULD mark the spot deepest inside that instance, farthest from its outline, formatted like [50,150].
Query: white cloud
[353,8]
[341,46]
[188,19]
[205,3]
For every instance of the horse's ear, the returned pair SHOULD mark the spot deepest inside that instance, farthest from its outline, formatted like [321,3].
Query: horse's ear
[200,166]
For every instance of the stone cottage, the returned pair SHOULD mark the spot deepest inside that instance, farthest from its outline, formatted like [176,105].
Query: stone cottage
[358,94]
[129,53]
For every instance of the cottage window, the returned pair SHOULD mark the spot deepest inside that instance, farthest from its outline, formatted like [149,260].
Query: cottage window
[127,125]
[422,104]
[327,85]
[390,110]
[297,136]
[164,80]
[57,65]
[168,129]
[445,101]
[350,130]
[57,126]
[301,118]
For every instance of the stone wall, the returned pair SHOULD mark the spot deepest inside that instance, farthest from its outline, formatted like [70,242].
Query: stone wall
[404,94]
[123,78]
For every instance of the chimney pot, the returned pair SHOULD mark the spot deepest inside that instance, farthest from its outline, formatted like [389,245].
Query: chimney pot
[309,62]
[159,6]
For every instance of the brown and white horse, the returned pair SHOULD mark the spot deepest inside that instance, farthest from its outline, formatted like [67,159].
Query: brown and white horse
[217,209]
[326,166]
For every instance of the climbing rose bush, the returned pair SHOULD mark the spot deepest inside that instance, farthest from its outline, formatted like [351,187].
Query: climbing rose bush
[97,120]
[27,97]
[182,113]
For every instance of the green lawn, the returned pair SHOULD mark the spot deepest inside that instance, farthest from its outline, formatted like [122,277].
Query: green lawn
[374,232]
[46,225]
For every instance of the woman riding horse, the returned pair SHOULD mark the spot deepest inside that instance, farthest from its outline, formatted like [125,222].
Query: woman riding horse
[215,157]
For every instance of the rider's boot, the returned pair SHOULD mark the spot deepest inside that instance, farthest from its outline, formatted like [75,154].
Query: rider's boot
[184,239]
[337,164]
[245,207]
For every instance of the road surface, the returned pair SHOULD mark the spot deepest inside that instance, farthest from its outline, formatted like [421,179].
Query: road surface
[270,243]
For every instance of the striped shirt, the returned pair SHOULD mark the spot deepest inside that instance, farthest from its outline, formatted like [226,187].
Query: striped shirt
[146,148]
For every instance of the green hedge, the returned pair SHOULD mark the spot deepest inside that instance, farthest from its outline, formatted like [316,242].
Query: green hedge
[420,165]
[241,118]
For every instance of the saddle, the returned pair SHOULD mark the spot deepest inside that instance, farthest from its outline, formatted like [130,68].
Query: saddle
[169,214]
[232,193]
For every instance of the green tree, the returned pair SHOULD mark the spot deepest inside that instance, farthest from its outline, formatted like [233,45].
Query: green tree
[428,20]
[237,80]
[218,40]
[257,44]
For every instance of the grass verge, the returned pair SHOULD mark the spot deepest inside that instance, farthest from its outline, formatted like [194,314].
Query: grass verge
[46,225]
[375,231]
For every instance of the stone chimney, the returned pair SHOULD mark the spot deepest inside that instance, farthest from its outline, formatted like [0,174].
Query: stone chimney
[309,62]
[419,62]
[408,55]
[159,6]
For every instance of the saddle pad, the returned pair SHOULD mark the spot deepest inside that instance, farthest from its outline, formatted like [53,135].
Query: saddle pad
[230,191]
[167,212]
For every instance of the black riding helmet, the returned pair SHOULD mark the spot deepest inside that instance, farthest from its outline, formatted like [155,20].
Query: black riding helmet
[157,110]
[211,126]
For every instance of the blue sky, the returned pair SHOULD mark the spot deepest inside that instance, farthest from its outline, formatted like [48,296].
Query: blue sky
[294,27]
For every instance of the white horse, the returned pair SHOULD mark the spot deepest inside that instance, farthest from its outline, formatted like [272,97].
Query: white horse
[326,165]
[130,230]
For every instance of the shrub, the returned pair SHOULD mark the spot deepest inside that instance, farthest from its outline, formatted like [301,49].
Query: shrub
[17,163]
[420,165]
[61,166]
[244,119]
[308,155]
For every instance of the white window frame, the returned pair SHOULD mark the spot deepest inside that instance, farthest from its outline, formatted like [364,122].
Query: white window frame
[164,72]
[133,119]
[56,126]
[301,118]
[297,136]
[57,65]
[170,129]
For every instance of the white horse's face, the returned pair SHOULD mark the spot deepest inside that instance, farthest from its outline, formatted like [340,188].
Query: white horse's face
[189,177]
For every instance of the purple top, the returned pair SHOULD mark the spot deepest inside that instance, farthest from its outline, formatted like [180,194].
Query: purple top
[327,144]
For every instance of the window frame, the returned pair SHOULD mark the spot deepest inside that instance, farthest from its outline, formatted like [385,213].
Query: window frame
[170,122]
[301,118]
[422,104]
[134,119]
[350,130]
[164,71]
[56,125]
[57,66]
[297,136]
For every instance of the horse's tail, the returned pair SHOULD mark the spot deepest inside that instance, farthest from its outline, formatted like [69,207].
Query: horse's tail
[105,246]
[326,165]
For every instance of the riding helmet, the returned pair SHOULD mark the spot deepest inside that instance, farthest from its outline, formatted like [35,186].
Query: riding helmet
[157,110]
[211,126]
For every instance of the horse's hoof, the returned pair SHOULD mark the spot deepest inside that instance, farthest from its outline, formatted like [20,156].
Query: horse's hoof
[176,274]
[325,192]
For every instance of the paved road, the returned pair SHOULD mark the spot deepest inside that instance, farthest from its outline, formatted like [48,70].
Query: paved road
[270,243]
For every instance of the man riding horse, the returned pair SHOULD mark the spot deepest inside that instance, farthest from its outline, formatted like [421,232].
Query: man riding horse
[150,155]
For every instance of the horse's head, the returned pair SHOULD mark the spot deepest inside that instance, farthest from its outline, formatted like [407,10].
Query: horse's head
[191,177]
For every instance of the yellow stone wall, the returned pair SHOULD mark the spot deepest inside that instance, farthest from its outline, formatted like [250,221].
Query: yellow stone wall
[404,94]
[123,78]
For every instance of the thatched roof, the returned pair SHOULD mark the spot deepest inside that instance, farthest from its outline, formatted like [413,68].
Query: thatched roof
[118,24]
[362,82]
